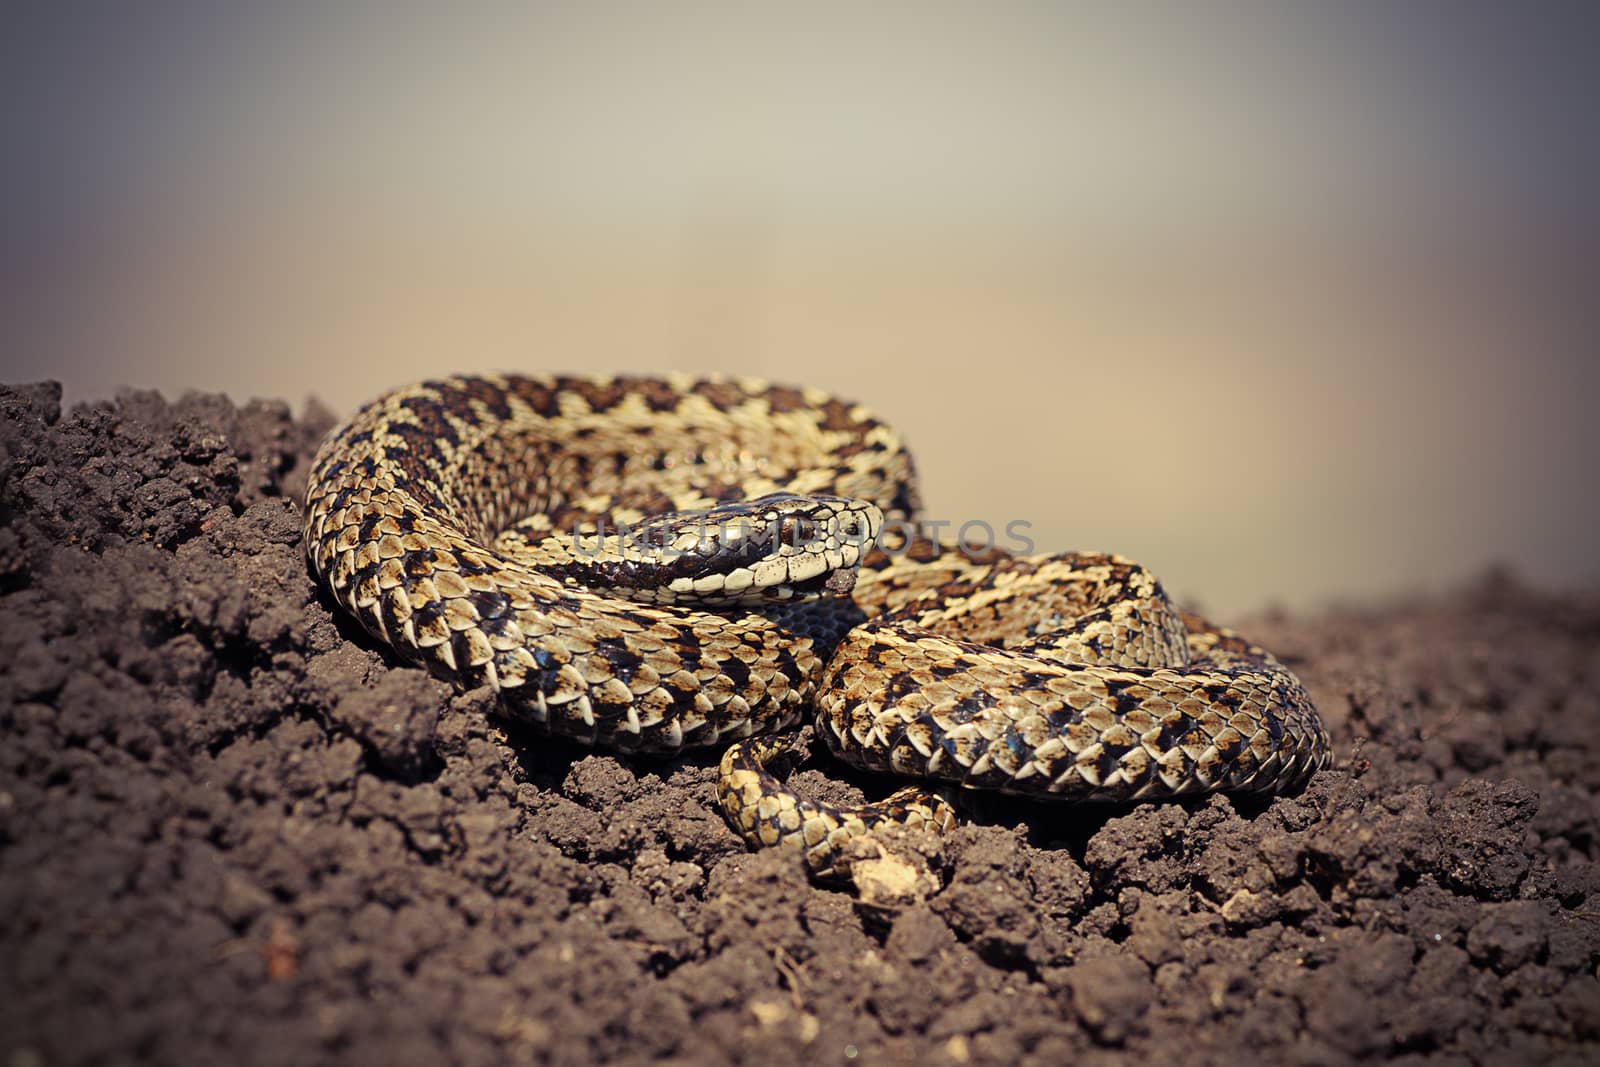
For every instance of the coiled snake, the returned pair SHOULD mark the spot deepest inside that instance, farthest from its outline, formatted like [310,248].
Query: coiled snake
[653,564]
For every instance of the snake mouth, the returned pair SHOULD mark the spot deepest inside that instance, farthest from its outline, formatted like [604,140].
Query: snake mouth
[836,582]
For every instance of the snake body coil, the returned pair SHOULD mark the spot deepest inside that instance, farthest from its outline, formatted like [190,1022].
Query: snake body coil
[654,564]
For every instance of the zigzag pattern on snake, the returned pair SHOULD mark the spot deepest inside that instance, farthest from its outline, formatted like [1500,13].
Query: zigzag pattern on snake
[654,564]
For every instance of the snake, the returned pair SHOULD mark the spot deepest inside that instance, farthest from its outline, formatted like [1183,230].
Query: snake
[656,564]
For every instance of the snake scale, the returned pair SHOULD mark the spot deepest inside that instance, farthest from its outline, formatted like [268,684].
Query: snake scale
[654,564]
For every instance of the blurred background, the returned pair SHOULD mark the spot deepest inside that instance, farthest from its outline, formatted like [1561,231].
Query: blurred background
[1294,303]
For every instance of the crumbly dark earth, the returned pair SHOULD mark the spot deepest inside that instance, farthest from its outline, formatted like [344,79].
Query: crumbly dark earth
[232,831]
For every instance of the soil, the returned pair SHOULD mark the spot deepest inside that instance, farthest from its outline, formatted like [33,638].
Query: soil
[232,830]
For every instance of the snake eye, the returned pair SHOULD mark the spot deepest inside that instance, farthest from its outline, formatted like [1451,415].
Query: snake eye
[796,530]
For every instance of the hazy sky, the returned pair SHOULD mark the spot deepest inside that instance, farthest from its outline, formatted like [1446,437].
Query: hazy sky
[1293,302]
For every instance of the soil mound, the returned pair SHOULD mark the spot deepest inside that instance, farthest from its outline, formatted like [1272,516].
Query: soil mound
[231,831]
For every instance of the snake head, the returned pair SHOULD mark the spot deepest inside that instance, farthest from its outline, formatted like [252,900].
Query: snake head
[778,547]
